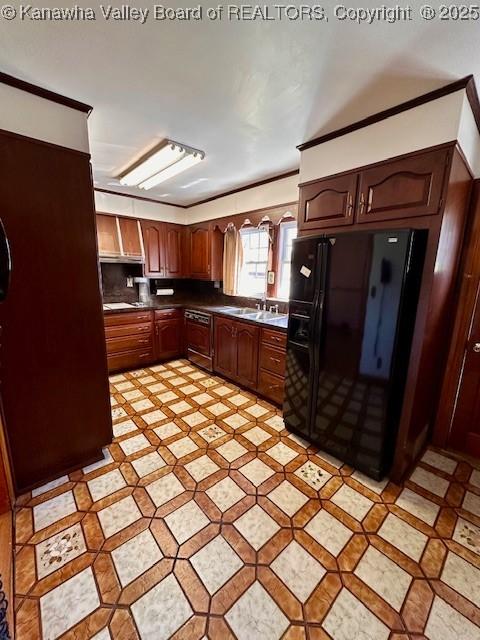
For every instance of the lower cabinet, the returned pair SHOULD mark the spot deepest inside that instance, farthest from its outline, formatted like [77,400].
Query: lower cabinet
[225,347]
[271,365]
[136,339]
[251,356]
[247,354]
[236,351]
[168,334]
[129,339]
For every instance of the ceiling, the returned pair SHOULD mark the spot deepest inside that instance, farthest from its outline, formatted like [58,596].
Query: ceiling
[246,92]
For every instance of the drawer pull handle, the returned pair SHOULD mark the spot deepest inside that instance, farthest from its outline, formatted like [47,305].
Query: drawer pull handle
[276,360]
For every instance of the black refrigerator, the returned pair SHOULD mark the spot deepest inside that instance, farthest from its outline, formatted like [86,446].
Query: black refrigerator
[353,301]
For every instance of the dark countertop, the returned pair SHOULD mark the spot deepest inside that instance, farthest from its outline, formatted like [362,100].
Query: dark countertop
[279,323]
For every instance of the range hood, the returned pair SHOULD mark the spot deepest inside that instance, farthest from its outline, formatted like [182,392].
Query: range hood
[122,259]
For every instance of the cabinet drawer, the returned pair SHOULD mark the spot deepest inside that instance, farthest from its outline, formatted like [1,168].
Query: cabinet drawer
[129,359]
[276,338]
[272,359]
[135,317]
[165,314]
[126,343]
[271,386]
[128,330]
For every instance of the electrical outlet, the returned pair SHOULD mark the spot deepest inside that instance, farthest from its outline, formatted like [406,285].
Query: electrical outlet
[129,281]
[271,277]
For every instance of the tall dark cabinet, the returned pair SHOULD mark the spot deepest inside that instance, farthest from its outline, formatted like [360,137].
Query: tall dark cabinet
[53,365]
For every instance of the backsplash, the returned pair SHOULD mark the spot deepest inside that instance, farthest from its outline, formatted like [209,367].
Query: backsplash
[114,282]
[114,286]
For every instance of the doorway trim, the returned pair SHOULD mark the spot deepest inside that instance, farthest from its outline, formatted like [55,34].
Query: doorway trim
[468,297]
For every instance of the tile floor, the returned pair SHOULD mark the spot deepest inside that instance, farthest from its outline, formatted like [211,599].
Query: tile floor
[207,519]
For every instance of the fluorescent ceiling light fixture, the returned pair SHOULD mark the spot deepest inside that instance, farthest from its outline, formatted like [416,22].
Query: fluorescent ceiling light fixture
[161,163]
[187,161]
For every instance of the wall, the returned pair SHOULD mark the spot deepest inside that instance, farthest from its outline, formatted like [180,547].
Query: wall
[33,116]
[266,195]
[444,120]
[125,206]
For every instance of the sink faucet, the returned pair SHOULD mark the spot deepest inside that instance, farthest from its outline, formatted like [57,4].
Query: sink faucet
[274,308]
[264,302]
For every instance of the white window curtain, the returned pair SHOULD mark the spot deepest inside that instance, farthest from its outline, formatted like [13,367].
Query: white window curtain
[232,260]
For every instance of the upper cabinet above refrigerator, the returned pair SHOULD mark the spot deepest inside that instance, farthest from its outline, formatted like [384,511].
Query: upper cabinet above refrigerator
[392,190]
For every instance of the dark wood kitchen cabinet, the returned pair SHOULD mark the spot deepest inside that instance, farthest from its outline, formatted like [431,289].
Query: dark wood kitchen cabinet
[271,365]
[129,339]
[108,238]
[168,334]
[251,355]
[130,234]
[163,249]
[153,241]
[173,251]
[247,354]
[329,202]
[200,252]
[205,250]
[410,186]
[405,188]
[225,351]
[54,382]
[118,237]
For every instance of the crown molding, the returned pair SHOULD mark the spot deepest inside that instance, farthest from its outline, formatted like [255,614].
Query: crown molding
[467,83]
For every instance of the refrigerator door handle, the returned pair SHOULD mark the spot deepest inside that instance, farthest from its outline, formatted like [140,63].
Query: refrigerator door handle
[5,263]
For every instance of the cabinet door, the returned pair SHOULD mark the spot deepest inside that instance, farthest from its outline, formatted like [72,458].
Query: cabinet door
[247,353]
[198,337]
[153,241]
[173,251]
[107,236]
[186,252]
[328,203]
[168,334]
[403,188]
[200,253]
[225,352]
[130,234]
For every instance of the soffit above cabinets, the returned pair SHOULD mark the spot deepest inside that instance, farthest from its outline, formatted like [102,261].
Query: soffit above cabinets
[247,93]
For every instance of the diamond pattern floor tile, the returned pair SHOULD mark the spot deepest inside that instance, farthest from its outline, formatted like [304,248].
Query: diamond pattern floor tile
[256,526]
[216,563]
[288,498]
[255,616]
[186,521]
[164,489]
[349,618]
[298,570]
[385,577]
[65,605]
[207,518]
[329,532]
[162,610]
[225,493]
[135,556]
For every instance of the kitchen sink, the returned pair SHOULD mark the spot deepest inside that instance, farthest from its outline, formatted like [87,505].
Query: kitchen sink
[243,311]
[264,315]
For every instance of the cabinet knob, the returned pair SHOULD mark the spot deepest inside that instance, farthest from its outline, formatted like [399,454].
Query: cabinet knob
[476,347]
